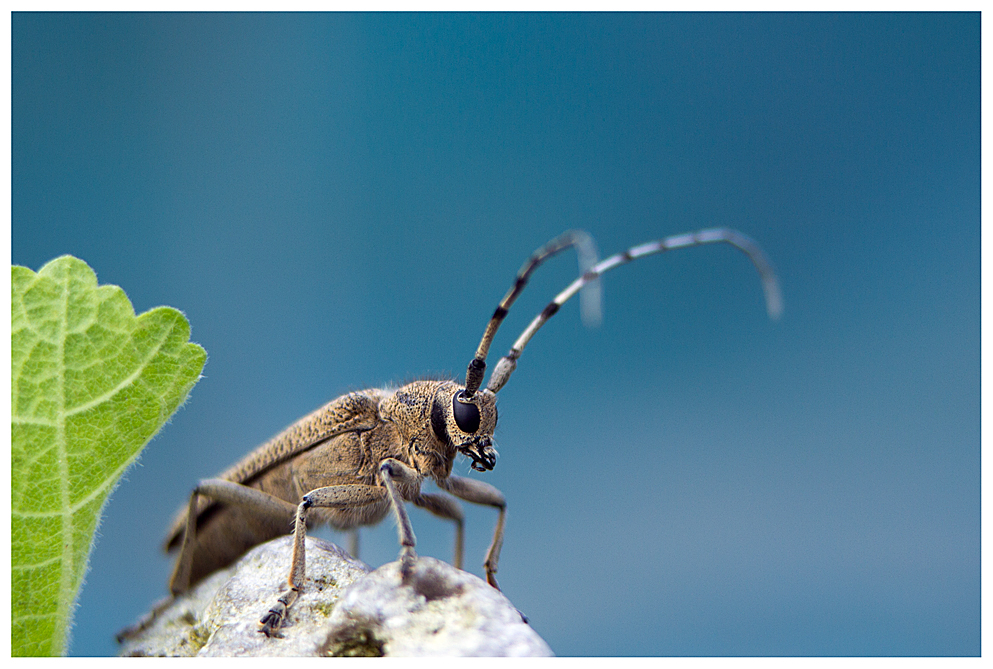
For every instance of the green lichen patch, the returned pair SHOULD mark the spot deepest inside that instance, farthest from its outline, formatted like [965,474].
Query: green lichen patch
[324,608]
[198,638]
[356,642]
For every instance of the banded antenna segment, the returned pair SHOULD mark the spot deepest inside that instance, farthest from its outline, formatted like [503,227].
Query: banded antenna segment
[589,300]
[770,284]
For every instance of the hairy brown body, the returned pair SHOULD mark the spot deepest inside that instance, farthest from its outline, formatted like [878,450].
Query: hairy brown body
[341,449]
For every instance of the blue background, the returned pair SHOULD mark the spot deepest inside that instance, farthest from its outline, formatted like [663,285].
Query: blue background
[339,201]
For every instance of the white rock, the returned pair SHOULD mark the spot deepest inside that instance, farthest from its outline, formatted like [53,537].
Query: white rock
[343,610]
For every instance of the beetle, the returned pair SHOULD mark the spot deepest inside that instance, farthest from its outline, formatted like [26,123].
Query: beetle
[367,453]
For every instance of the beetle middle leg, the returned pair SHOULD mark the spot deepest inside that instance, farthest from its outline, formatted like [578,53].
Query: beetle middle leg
[444,506]
[335,496]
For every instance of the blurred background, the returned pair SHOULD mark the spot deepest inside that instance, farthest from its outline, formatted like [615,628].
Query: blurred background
[338,201]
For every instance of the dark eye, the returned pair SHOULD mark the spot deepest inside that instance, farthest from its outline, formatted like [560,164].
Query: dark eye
[466,415]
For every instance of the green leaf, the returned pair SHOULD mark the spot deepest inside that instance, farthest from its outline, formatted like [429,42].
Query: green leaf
[91,384]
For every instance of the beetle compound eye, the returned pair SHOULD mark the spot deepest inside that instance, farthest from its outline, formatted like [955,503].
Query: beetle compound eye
[466,415]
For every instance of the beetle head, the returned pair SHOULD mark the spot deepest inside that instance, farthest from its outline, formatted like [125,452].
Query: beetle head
[467,425]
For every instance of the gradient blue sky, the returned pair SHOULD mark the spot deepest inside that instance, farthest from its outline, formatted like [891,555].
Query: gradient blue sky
[339,201]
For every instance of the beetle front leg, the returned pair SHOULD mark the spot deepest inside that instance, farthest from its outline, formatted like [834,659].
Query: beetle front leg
[391,472]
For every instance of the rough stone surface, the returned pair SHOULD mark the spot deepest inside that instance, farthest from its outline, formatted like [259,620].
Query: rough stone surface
[440,611]
[344,609]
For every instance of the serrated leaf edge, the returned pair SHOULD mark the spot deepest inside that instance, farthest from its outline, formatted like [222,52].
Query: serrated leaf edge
[68,593]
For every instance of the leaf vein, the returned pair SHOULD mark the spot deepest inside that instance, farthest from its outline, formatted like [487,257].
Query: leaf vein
[34,616]
[124,383]
[34,565]
[66,591]
[30,420]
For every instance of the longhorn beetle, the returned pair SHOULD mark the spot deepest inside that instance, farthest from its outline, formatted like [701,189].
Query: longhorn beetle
[365,454]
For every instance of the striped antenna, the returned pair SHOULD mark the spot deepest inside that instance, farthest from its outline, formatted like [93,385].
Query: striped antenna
[770,285]
[589,300]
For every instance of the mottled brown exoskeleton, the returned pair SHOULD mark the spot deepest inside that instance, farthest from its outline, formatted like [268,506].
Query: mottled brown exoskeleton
[365,454]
